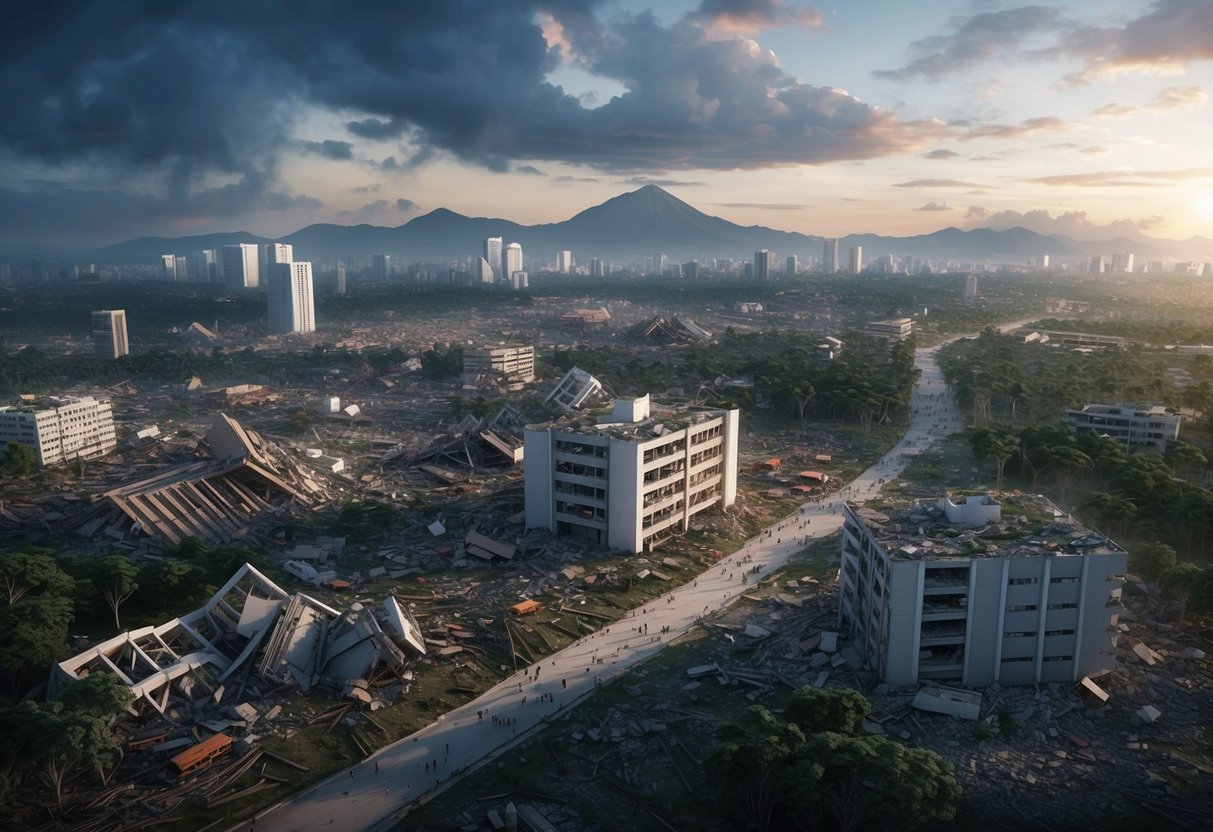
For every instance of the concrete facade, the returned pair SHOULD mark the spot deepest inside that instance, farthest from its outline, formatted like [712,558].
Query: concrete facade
[109,333]
[516,364]
[633,479]
[927,599]
[68,428]
[1135,427]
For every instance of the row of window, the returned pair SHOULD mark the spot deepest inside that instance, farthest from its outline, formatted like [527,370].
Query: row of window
[1029,581]
[1032,633]
[1025,659]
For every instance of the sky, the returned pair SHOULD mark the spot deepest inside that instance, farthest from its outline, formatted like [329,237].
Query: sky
[127,118]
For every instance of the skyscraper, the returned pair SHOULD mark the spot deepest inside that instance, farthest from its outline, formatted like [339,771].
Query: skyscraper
[168,267]
[275,253]
[109,333]
[339,288]
[381,266]
[793,265]
[829,255]
[762,266]
[564,261]
[290,296]
[856,264]
[205,266]
[484,272]
[596,268]
[492,255]
[241,267]
[512,258]
[182,269]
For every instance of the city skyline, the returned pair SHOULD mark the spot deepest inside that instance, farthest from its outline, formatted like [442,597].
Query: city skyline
[1086,120]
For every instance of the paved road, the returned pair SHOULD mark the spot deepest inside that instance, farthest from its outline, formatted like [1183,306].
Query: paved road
[373,793]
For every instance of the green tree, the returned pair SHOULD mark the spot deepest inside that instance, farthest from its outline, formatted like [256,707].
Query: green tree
[1153,561]
[173,585]
[828,709]
[36,612]
[1180,583]
[993,443]
[114,576]
[752,758]
[20,460]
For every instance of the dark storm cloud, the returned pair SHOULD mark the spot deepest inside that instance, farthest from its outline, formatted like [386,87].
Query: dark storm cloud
[973,40]
[329,149]
[403,204]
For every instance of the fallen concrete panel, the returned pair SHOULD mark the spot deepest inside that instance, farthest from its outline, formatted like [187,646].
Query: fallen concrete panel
[938,699]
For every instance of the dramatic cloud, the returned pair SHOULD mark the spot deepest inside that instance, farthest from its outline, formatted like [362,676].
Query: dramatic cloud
[750,17]
[973,40]
[937,183]
[1125,178]
[329,149]
[403,204]
[1169,99]
[1074,224]
[1173,35]
[942,153]
[1023,130]
[934,206]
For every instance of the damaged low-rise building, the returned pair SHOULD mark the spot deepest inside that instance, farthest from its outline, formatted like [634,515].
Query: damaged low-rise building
[576,389]
[955,592]
[630,478]
[251,622]
[512,366]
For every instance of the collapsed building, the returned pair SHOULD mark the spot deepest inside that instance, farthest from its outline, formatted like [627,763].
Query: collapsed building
[252,624]
[215,499]
[673,330]
[473,443]
[509,367]
[577,389]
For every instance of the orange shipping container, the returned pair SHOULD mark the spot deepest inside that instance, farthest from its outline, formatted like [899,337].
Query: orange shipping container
[203,754]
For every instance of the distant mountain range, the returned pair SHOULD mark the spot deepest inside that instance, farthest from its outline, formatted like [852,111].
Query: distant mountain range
[644,223]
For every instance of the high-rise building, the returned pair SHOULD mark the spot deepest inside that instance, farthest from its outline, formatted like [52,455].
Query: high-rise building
[204,267]
[109,334]
[1039,604]
[634,484]
[493,256]
[792,265]
[63,429]
[1122,261]
[519,281]
[275,253]
[182,269]
[564,261]
[511,261]
[829,255]
[241,267]
[1044,262]
[970,287]
[484,272]
[290,297]
[856,261]
[762,266]
[596,268]
[1097,265]
[381,266]
[690,269]
[168,267]
[339,288]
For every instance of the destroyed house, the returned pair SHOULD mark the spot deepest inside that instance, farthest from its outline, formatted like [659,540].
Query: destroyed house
[632,477]
[250,623]
[513,365]
[214,500]
[973,591]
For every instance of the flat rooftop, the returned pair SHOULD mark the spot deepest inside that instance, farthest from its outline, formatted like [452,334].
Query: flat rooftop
[1030,526]
[662,420]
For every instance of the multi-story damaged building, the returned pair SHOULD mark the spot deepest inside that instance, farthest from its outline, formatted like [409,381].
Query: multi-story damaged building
[630,478]
[63,429]
[959,592]
[513,365]
[1138,427]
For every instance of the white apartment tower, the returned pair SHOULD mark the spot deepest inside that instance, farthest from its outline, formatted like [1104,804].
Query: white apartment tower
[596,268]
[272,253]
[290,297]
[109,333]
[856,262]
[381,266]
[66,428]
[484,272]
[829,255]
[631,479]
[564,261]
[168,267]
[241,267]
[1036,604]
[492,255]
[511,262]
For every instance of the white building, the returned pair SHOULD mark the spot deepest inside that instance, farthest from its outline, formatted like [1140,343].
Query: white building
[109,333]
[856,262]
[515,364]
[484,272]
[829,255]
[290,297]
[564,261]
[894,329]
[970,286]
[924,596]
[241,267]
[381,266]
[272,253]
[492,255]
[168,268]
[632,478]
[64,429]
[511,261]
[1136,427]
[597,269]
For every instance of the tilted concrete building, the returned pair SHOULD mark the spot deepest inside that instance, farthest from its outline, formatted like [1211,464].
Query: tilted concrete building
[957,593]
[630,478]
[64,428]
